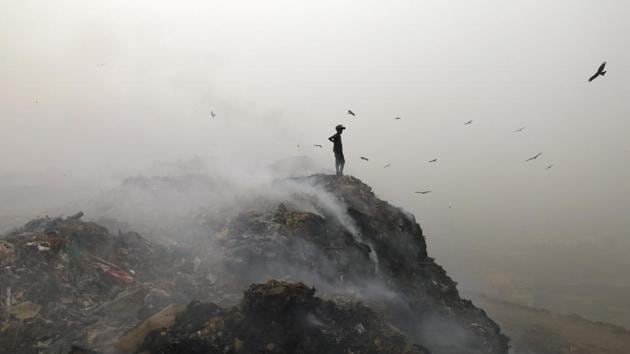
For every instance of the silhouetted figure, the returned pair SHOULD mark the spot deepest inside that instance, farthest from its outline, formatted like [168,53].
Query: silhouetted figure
[534,157]
[351,113]
[340,161]
[600,71]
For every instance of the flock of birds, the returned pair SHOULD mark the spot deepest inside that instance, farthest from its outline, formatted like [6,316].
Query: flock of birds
[601,71]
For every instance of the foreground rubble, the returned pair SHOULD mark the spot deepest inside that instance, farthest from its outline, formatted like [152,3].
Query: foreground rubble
[67,282]
[279,317]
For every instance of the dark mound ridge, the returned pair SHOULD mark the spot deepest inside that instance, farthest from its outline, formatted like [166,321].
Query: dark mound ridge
[335,233]
[68,282]
[279,317]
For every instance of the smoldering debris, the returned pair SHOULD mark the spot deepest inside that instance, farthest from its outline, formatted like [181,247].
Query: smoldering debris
[68,282]
[83,286]
[318,247]
[274,318]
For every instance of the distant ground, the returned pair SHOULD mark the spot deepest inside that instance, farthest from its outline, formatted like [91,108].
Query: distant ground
[535,331]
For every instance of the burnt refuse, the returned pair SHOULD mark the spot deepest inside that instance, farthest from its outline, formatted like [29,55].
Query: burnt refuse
[69,285]
[279,317]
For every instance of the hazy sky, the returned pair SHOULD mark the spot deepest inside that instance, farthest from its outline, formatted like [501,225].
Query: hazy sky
[95,87]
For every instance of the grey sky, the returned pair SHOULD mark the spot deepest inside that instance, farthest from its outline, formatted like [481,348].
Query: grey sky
[93,87]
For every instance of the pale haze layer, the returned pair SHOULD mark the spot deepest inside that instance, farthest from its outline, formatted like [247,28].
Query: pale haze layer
[99,90]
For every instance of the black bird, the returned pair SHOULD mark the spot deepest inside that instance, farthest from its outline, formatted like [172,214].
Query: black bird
[397,118]
[317,145]
[548,167]
[364,158]
[351,113]
[424,192]
[212,114]
[386,166]
[534,157]
[519,130]
[600,71]
[469,122]
[432,161]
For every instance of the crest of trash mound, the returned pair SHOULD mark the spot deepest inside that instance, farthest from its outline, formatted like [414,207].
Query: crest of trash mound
[66,282]
[334,233]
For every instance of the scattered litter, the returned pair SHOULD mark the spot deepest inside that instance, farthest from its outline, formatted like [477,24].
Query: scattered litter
[25,310]
[116,273]
[130,342]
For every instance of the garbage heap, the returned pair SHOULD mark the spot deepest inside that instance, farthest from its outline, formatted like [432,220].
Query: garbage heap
[279,317]
[333,232]
[66,282]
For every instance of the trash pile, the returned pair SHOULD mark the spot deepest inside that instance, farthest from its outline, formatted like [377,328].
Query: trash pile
[367,250]
[279,317]
[66,282]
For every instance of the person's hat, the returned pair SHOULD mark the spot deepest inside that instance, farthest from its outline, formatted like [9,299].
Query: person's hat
[340,127]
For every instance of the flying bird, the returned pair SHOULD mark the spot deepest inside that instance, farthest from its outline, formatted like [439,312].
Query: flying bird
[519,130]
[351,113]
[423,192]
[101,65]
[432,161]
[469,122]
[212,114]
[364,158]
[600,71]
[386,166]
[548,167]
[317,145]
[534,157]
[397,118]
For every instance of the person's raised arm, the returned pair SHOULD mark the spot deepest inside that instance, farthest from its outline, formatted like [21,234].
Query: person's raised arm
[332,139]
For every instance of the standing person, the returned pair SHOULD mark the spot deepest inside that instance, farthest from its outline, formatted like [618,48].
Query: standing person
[340,161]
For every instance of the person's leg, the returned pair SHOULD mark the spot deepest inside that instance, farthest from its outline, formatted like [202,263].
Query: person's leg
[337,164]
[342,163]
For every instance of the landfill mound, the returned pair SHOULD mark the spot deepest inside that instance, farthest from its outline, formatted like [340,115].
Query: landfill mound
[67,282]
[335,233]
[279,317]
